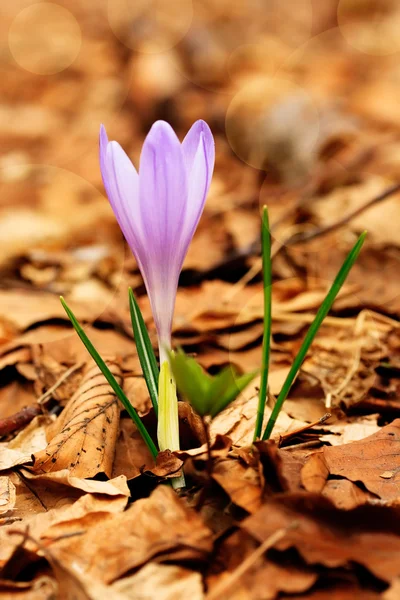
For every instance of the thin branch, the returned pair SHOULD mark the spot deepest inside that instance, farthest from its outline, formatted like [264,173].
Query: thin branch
[19,419]
[220,589]
[59,381]
[305,237]
[290,434]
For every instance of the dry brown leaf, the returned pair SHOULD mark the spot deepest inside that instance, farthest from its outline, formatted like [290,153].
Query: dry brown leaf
[325,535]
[264,578]
[31,308]
[343,493]
[7,494]
[280,469]
[83,438]
[315,473]
[239,418]
[374,461]
[63,345]
[349,429]
[172,582]
[113,487]
[160,525]
[59,504]
[41,588]
[240,482]
[131,454]
[167,465]
[19,450]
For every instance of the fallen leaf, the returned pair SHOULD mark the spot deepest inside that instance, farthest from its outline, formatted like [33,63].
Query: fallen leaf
[240,482]
[167,465]
[323,534]
[367,459]
[19,450]
[7,495]
[60,506]
[131,453]
[263,578]
[160,525]
[238,420]
[41,588]
[83,438]
[172,582]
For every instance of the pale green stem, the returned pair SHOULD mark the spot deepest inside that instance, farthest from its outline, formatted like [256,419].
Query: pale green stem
[168,420]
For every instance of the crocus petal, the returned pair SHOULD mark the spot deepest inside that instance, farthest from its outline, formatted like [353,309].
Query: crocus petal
[163,193]
[162,185]
[122,185]
[199,155]
[190,145]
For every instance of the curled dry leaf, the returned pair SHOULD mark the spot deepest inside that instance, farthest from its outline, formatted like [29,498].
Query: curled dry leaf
[114,487]
[374,461]
[262,578]
[41,588]
[343,493]
[160,525]
[172,582]
[326,535]
[239,418]
[131,454]
[240,482]
[19,450]
[7,494]
[280,469]
[84,436]
[167,465]
[61,510]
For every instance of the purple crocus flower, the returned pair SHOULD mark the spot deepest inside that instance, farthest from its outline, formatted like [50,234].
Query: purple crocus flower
[158,210]
[159,207]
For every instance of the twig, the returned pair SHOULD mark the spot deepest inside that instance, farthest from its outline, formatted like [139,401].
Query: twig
[59,381]
[287,436]
[220,589]
[19,419]
[337,224]
[304,236]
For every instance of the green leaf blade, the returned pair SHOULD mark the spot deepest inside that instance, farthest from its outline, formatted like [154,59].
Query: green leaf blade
[312,331]
[111,379]
[267,290]
[145,351]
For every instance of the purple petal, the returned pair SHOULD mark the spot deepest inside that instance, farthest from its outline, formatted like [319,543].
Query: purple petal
[121,182]
[162,185]
[190,146]
[163,192]
[199,154]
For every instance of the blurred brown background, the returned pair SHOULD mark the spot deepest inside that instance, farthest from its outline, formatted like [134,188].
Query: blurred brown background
[302,98]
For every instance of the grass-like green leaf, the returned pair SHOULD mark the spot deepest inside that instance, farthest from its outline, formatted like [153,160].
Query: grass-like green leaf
[267,277]
[145,351]
[111,379]
[311,333]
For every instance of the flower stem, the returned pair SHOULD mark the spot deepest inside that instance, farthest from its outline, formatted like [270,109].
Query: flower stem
[168,420]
